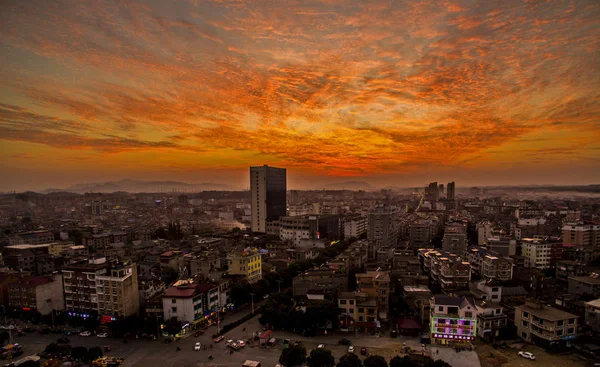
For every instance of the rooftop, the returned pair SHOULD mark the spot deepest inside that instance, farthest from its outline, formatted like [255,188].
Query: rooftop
[547,313]
[590,279]
[595,303]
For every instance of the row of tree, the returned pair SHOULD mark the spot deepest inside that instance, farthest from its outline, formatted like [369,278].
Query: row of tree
[321,357]
[282,313]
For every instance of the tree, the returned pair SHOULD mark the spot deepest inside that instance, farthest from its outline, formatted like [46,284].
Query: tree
[319,314]
[405,361]
[321,358]
[375,361]
[169,275]
[173,326]
[239,295]
[293,356]
[349,360]
[94,353]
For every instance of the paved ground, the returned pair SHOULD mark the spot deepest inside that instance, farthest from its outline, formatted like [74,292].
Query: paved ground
[509,357]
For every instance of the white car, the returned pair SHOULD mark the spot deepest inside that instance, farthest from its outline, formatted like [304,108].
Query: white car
[102,335]
[320,346]
[527,355]
[229,341]
[197,346]
[85,333]
[241,343]
[350,349]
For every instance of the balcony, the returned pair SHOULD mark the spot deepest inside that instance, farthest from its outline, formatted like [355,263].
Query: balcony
[543,326]
[547,336]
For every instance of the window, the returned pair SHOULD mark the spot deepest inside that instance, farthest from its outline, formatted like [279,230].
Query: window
[570,330]
[494,296]
[498,311]
[440,308]
[524,335]
[495,289]
[469,314]
[560,323]
[342,302]
[525,315]
[571,321]
[173,300]
[525,323]
[173,309]
[559,333]
[361,310]
[351,301]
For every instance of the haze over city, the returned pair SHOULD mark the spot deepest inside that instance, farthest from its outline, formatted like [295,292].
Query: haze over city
[393,93]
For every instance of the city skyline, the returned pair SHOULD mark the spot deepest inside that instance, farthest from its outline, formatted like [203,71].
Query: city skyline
[394,93]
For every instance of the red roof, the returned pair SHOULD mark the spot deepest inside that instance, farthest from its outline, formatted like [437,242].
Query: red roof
[180,292]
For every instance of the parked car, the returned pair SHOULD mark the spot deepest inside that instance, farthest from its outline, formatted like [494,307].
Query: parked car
[68,333]
[320,346]
[345,342]
[85,333]
[394,333]
[350,349]
[527,355]
[241,343]
[102,335]
[197,346]
[363,351]
[218,338]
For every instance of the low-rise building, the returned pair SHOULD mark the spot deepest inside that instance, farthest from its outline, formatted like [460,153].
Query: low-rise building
[376,285]
[247,262]
[505,246]
[452,320]
[448,269]
[455,238]
[592,314]
[545,326]
[329,281]
[489,264]
[491,320]
[570,268]
[43,294]
[589,285]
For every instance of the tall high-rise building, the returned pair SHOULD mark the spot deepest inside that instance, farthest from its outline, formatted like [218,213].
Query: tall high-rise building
[268,192]
[441,190]
[450,194]
[432,192]
[382,229]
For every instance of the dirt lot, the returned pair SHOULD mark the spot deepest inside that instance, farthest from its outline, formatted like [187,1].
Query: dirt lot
[508,357]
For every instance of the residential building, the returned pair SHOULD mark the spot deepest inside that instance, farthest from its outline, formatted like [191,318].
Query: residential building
[537,253]
[406,267]
[358,311]
[530,227]
[420,234]
[268,195]
[455,238]
[101,240]
[570,268]
[190,303]
[447,269]
[592,314]
[451,191]
[330,281]
[589,285]
[582,254]
[376,284]
[355,226]
[111,289]
[295,229]
[505,246]
[484,231]
[32,238]
[117,291]
[452,320]
[432,192]
[491,320]
[586,234]
[37,293]
[383,229]
[248,263]
[545,326]
[489,264]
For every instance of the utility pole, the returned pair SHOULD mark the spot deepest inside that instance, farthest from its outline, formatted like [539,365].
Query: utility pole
[279,285]
[252,294]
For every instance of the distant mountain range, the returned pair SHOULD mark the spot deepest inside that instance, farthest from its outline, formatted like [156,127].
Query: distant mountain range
[348,185]
[141,186]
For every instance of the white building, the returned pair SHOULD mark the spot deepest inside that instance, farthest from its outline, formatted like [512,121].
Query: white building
[189,302]
[537,253]
[355,226]
[484,231]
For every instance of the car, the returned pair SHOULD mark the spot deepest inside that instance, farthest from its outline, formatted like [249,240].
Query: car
[345,342]
[241,343]
[320,346]
[85,333]
[350,349]
[527,355]
[363,351]
[102,335]
[229,341]
[197,346]
[68,333]
[218,338]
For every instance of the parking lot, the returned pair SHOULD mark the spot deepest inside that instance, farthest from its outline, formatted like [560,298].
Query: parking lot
[509,357]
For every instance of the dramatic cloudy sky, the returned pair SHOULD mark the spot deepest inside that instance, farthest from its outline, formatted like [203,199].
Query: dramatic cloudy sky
[394,92]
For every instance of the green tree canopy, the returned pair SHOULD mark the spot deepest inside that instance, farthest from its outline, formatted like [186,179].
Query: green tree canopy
[375,361]
[405,361]
[321,358]
[293,356]
[349,360]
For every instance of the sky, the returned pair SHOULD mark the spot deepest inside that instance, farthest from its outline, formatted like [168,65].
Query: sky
[392,92]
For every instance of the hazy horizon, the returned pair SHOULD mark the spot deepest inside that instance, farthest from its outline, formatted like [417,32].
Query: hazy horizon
[395,93]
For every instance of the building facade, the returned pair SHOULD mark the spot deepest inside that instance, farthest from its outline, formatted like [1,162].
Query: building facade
[581,234]
[376,285]
[37,293]
[117,290]
[248,263]
[268,195]
[452,320]
[545,326]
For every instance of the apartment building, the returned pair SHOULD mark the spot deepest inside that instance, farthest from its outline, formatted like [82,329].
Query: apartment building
[383,229]
[505,246]
[37,293]
[358,311]
[455,238]
[484,231]
[589,285]
[247,262]
[489,264]
[31,238]
[101,240]
[545,326]
[355,226]
[452,320]
[491,319]
[117,291]
[586,234]
[36,259]
[570,268]
[448,269]
[376,285]
[110,289]
[420,234]
[295,229]
[190,303]
[538,253]
[592,314]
